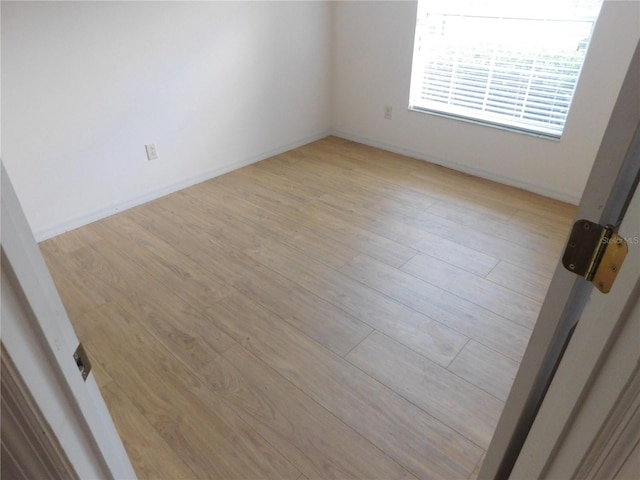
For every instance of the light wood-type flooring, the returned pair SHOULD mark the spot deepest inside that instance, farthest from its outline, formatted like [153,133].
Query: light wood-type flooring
[336,311]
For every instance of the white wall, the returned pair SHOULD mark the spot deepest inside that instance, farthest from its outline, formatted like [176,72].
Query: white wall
[215,85]
[372,53]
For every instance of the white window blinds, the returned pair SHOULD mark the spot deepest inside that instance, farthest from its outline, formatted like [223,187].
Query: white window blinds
[508,63]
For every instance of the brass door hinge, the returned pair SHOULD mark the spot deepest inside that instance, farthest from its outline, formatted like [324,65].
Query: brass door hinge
[595,253]
[82,361]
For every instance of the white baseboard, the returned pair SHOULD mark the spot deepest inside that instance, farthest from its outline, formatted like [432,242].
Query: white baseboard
[73,223]
[513,182]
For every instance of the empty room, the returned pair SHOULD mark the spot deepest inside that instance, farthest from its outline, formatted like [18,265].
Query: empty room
[306,239]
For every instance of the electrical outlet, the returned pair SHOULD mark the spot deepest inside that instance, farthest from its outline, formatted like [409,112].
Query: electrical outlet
[388,111]
[152,152]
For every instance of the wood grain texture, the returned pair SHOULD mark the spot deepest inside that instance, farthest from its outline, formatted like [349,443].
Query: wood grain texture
[423,445]
[152,457]
[534,235]
[486,369]
[158,259]
[101,376]
[465,408]
[312,439]
[438,303]
[336,311]
[321,320]
[520,279]
[192,420]
[537,256]
[495,298]
[432,339]
[79,295]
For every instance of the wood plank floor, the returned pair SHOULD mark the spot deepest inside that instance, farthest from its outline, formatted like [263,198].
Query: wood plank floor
[336,311]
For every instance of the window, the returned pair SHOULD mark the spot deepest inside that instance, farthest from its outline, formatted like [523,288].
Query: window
[510,63]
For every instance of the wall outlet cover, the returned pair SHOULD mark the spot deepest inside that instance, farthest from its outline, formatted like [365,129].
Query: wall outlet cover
[152,152]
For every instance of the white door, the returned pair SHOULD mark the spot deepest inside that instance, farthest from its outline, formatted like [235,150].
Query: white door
[77,435]
[589,420]
[607,196]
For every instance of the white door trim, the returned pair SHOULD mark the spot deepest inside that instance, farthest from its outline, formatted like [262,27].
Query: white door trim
[617,445]
[605,200]
[38,338]
[595,378]
[29,447]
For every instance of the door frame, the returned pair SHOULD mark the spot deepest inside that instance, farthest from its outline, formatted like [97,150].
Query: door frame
[607,194]
[585,427]
[39,340]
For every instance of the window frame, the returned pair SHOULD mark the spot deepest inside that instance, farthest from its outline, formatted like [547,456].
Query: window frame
[480,116]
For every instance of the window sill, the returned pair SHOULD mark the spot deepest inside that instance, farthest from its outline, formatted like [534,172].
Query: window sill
[486,123]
